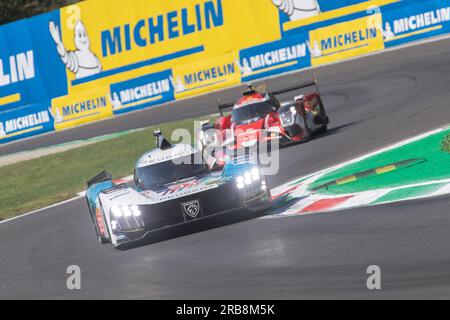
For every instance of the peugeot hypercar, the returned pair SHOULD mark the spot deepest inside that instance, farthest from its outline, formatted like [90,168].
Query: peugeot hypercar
[173,186]
[260,116]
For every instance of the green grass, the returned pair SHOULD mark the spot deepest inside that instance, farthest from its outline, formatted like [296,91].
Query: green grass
[445,144]
[435,167]
[34,184]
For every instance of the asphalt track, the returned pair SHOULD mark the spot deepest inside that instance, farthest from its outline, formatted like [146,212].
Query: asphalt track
[372,102]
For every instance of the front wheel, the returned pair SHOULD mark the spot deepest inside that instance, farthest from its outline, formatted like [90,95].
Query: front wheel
[98,219]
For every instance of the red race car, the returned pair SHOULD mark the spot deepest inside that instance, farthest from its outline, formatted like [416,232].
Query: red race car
[260,116]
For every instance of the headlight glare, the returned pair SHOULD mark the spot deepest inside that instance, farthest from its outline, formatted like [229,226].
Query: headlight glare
[126,211]
[136,211]
[255,174]
[287,118]
[116,212]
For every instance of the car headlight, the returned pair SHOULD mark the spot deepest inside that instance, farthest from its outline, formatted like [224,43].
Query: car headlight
[256,174]
[126,211]
[287,118]
[248,178]
[240,182]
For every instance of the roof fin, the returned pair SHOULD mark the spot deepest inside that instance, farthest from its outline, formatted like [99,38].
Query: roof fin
[250,90]
[161,142]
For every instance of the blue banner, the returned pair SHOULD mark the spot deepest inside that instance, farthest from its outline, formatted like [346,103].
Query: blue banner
[29,71]
[291,53]
[142,92]
[402,24]
[25,122]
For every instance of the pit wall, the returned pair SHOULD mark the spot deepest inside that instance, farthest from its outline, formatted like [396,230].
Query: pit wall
[101,58]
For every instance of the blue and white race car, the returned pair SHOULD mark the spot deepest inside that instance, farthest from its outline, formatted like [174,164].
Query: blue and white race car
[173,186]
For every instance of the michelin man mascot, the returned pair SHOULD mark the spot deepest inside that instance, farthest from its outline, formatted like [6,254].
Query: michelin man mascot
[298,9]
[177,84]
[82,62]
[244,67]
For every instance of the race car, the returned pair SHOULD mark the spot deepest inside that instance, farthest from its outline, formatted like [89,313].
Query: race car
[260,116]
[172,186]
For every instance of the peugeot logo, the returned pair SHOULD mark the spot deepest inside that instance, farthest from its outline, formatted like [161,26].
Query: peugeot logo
[192,208]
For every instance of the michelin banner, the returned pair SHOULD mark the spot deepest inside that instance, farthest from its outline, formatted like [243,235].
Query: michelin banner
[100,58]
[421,20]
[25,122]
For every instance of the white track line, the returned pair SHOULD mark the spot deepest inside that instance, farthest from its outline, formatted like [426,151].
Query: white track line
[41,210]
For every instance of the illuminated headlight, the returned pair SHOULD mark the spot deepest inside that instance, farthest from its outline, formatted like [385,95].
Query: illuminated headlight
[255,174]
[248,178]
[240,182]
[126,211]
[116,212]
[263,186]
[287,118]
[136,211]
[114,225]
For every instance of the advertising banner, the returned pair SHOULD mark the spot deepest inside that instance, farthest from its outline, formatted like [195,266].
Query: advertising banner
[206,75]
[100,44]
[291,53]
[419,20]
[142,92]
[97,59]
[87,106]
[29,71]
[25,122]
[346,40]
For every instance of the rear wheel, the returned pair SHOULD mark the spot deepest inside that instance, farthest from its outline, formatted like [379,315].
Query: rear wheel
[306,129]
[323,118]
[325,121]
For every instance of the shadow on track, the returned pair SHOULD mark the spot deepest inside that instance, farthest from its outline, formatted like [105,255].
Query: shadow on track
[337,129]
[197,227]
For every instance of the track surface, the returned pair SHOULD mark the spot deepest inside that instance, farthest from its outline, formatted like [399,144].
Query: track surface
[372,102]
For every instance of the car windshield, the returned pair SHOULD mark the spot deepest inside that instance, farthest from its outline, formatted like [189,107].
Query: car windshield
[160,174]
[252,111]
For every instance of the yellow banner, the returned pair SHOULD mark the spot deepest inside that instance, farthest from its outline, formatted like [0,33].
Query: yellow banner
[81,108]
[206,75]
[107,41]
[346,40]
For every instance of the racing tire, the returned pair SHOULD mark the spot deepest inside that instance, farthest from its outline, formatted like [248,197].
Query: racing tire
[324,128]
[101,239]
[307,129]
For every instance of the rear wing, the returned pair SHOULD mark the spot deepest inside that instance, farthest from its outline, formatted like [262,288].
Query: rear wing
[101,177]
[223,107]
[304,85]
[299,86]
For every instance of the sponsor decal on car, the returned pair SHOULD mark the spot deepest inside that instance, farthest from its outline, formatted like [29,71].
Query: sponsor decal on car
[192,208]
